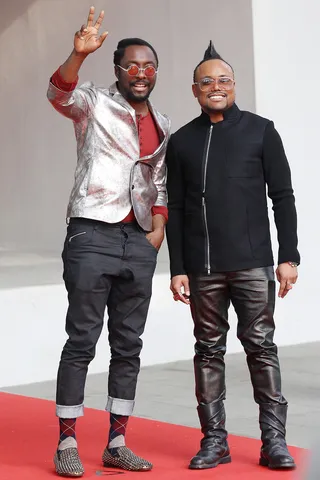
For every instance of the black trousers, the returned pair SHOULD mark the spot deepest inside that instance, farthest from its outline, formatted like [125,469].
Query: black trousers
[105,265]
[252,293]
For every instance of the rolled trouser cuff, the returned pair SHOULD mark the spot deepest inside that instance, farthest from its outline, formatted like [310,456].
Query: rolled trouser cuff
[119,406]
[70,411]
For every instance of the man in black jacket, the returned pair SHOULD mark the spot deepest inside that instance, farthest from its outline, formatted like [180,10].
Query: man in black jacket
[218,233]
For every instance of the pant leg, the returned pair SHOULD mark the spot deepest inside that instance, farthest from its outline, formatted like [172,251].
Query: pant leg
[90,261]
[253,297]
[128,306]
[209,308]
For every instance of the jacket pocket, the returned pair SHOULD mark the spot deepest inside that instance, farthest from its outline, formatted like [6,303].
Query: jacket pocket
[75,235]
[79,235]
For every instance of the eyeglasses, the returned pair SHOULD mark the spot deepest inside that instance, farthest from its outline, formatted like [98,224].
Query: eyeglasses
[134,70]
[225,83]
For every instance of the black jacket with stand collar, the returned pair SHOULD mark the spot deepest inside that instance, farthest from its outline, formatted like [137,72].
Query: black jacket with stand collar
[217,179]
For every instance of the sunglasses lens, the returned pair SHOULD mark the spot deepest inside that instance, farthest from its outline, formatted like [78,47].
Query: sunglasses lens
[150,71]
[133,70]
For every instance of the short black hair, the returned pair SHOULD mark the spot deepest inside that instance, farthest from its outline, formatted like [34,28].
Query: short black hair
[210,54]
[128,42]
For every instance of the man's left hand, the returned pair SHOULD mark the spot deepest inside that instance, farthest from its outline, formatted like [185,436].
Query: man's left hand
[156,237]
[287,276]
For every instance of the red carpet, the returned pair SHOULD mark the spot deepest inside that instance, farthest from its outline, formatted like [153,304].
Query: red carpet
[29,435]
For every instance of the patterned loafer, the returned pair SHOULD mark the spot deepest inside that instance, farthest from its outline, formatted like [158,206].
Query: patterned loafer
[124,458]
[68,463]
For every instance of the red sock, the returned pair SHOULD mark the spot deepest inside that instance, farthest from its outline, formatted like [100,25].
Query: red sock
[118,425]
[67,428]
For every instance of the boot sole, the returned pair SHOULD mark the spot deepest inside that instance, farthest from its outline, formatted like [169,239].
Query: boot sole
[264,463]
[221,461]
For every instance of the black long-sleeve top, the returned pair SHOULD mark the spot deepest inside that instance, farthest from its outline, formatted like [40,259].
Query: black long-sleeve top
[218,177]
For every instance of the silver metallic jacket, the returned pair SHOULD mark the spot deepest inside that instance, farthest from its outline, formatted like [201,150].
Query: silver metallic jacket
[110,176]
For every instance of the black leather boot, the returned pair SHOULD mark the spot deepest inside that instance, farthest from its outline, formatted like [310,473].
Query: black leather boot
[274,451]
[214,447]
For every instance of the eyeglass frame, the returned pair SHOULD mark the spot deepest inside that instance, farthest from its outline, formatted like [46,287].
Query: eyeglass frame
[140,69]
[214,81]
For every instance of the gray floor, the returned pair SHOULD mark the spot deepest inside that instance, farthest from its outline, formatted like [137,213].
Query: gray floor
[166,393]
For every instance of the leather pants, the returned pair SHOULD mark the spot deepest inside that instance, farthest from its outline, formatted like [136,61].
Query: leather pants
[252,293]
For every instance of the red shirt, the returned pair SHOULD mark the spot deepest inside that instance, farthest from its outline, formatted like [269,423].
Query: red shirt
[148,137]
[149,142]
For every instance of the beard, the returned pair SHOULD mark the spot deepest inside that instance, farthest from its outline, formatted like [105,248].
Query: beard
[138,97]
[132,97]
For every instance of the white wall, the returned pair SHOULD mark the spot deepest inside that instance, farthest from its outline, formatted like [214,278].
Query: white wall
[287,69]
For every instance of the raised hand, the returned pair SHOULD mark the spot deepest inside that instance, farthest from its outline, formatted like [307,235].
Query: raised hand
[87,39]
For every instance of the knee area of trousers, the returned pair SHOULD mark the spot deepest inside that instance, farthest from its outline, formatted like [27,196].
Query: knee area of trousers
[260,351]
[126,349]
[257,340]
[209,350]
[81,356]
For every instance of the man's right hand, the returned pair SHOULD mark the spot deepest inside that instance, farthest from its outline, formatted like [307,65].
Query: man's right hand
[87,39]
[180,288]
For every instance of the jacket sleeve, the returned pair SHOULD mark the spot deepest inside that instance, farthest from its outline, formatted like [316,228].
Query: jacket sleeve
[75,104]
[175,225]
[278,178]
[160,177]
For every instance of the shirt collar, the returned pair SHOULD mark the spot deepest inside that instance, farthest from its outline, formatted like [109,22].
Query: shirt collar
[231,115]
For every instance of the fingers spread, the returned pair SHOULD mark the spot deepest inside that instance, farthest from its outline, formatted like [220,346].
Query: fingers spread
[99,21]
[90,17]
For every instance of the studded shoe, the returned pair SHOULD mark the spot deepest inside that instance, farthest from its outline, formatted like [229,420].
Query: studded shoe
[68,463]
[124,458]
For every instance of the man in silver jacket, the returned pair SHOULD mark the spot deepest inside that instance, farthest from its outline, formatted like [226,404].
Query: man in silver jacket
[117,214]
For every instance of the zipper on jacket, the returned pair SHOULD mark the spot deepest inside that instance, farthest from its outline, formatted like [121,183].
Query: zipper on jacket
[204,207]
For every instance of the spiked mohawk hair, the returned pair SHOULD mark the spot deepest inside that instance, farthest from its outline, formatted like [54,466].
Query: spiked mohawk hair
[210,54]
